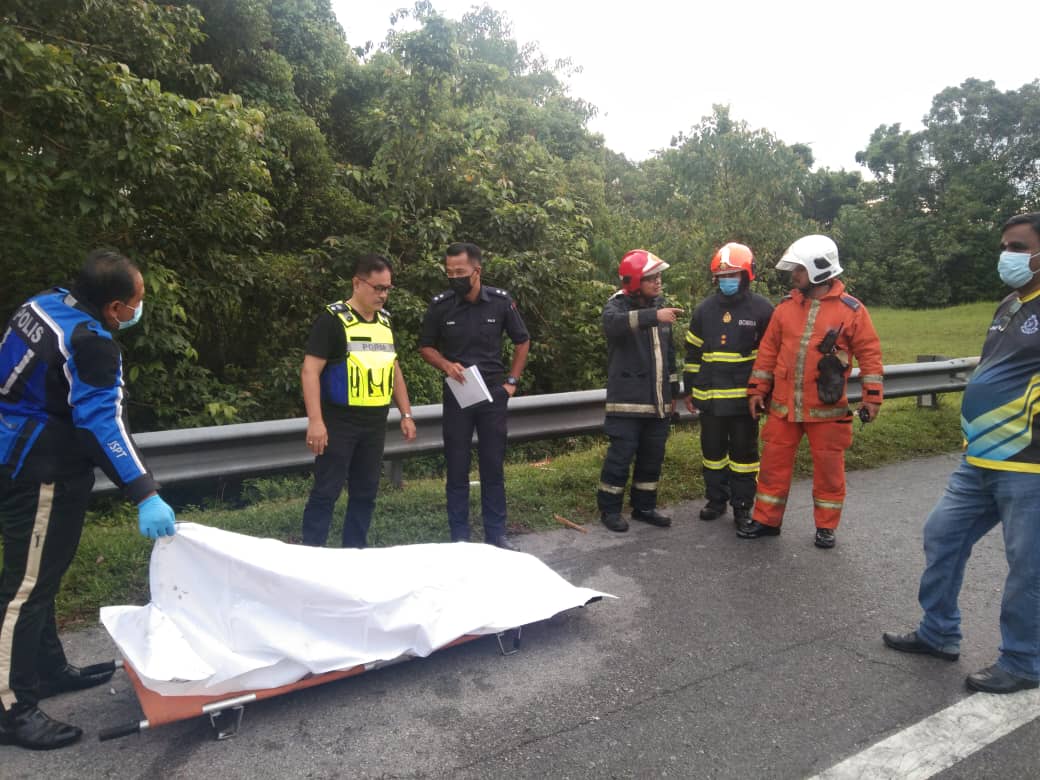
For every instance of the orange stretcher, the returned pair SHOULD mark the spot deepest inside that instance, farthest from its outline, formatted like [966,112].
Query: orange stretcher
[225,710]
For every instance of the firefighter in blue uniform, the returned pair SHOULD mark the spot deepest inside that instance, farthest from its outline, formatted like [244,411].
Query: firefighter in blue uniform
[62,411]
[721,347]
[349,376]
[463,327]
[642,390]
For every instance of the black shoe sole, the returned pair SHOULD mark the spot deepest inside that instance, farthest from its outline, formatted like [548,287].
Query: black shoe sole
[1024,685]
[758,534]
[920,649]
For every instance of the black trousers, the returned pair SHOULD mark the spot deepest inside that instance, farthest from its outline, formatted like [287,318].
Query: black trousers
[489,420]
[354,456]
[41,525]
[641,438]
[729,448]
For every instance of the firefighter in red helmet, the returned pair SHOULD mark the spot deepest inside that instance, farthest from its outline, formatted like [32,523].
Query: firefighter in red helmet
[642,389]
[721,346]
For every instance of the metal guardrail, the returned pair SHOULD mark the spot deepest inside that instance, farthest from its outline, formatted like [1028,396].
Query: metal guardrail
[277,446]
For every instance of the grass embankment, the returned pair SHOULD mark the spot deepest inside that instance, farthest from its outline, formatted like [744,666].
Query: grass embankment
[111,566]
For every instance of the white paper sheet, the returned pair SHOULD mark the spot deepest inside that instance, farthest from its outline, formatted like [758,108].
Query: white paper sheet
[232,612]
[472,391]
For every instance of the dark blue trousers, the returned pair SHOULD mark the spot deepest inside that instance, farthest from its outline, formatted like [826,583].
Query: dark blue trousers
[458,425]
[641,439]
[355,457]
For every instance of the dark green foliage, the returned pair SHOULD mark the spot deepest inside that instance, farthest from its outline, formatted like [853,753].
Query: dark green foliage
[244,154]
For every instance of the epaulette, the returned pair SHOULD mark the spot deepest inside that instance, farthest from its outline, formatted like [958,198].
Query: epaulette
[340,309]
[615,295]
[498,291]
[851,302]
[787,297]
[439,297]
[384,317]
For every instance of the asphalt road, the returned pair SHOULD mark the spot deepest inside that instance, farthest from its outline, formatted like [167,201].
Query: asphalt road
[721,658]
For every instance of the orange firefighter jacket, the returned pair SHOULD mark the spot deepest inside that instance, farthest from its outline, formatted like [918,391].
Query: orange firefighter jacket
[788,355]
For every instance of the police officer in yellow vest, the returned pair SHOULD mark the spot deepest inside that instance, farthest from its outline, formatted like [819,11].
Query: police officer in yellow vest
[350,373]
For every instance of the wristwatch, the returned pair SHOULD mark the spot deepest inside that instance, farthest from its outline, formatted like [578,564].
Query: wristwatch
[512,380]
[406,416]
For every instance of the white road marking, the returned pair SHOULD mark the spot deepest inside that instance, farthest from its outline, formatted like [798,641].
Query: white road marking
[941,740]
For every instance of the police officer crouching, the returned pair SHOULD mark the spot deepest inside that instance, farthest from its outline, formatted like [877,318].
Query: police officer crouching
[463,327]
[642,388]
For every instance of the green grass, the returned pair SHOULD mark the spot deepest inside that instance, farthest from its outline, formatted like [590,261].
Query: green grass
[955,332]
[559,477]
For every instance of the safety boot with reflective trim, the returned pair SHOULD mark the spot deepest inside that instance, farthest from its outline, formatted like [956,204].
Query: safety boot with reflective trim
[614,521]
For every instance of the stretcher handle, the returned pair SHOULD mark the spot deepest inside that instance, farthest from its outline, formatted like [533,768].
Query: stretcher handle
[122,731]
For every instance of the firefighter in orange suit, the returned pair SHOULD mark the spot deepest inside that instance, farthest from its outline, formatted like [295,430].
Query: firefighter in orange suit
[799,377]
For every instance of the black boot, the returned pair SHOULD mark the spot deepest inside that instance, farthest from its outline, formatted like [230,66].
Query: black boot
[741,518]
[824,538]
[29,727]
[614,521]
[651,516]
[712,511]
[755,529]
[75,678]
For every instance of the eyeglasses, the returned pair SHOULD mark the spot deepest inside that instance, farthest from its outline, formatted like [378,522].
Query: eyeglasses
[382,289]
[653,279]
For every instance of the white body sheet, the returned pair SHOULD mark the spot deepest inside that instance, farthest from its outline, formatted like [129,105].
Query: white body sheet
[232,612]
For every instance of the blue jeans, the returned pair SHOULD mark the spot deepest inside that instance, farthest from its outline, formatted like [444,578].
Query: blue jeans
[975,500]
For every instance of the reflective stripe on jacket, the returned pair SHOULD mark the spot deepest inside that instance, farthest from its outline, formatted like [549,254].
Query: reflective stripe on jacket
[788,355]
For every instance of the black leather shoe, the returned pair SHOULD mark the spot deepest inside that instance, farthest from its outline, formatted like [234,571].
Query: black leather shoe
[824,538]
[712,511]
[74,678]
[912,643]
[993,679]
[755,529]
[502,543]
[614,522]
[652,516]
[29,727]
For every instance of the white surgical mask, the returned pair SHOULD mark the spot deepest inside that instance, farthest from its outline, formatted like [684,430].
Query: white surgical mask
[133,320]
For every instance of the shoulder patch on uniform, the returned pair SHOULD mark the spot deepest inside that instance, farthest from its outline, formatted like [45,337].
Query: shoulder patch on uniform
[851,302]
[443,296]
[338,308]
[499,292]
[384,316]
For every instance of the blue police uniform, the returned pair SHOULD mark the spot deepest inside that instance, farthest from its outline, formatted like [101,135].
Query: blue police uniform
[471,334]
[62,411]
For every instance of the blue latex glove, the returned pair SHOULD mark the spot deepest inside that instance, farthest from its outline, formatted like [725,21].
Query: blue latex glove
[155,518]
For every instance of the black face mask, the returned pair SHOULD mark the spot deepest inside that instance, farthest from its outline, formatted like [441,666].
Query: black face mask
[461,285]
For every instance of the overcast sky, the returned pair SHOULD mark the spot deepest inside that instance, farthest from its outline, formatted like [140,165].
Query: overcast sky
[822,73]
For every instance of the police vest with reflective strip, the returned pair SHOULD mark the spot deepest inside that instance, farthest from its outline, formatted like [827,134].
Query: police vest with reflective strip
[366,377]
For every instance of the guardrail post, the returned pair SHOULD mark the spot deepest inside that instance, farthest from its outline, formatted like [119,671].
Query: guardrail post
[929,400]
[394,472]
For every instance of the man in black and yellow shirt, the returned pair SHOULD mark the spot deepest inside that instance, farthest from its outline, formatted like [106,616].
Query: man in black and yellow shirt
[350,374]
[997,482]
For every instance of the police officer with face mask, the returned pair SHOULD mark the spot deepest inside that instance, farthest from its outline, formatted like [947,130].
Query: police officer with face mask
[721,347]
[62,411]
[463,327]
